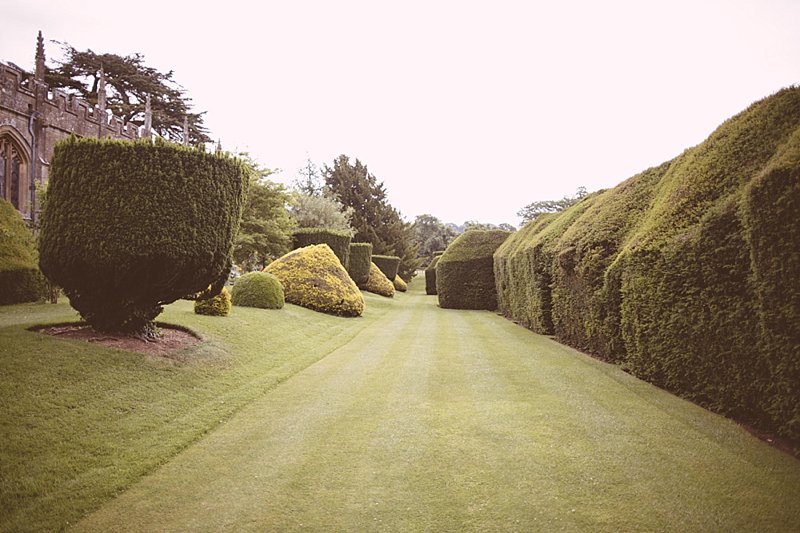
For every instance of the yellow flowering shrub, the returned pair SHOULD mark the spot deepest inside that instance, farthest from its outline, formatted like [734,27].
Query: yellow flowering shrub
[313,277]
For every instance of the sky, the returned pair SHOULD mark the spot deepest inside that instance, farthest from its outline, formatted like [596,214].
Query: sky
[464,110]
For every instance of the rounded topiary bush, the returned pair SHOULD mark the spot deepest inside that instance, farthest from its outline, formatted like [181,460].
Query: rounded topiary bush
[258,289]
[465,272]
[20,278]
[337,240]
[430,276]
[388,264]
[132,226]
[378,283]
[360,260]
[313,277]
[219,305]
[400,284]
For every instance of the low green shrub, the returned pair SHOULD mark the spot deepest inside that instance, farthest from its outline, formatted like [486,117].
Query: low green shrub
[313,277]
[337,240]
[400,284]
[20,278]
[430,275]
[465,272]
[388,264]
[378,283]
[219,305]
[258,289]
[360,260]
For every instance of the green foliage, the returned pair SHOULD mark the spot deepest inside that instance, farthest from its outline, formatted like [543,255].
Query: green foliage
[359,262]
[319,211]
[388,264]
[131,226]
[129,81]
[337,240]
[313,277]
[219,305]
[378,283]
[541,207]
[464,273]
[258,289]
[266,229]
[20,278]
[374,219]
[430,274]
[431,234]
[687,273]
[399,284]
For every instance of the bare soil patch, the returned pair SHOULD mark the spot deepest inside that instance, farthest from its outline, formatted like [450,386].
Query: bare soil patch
[172,339]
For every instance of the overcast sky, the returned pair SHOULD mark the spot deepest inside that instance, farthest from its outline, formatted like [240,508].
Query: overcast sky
[465,110]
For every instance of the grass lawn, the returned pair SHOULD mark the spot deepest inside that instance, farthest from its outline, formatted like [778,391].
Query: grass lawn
[411,418]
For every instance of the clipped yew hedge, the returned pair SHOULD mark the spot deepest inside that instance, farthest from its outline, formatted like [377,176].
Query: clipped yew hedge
[465,272]
[313,277]
[337,240]
[400,284]
[388,264]
[258,289]
[430,275]
[131,226]
[20,278]
[686,274]
[360,261]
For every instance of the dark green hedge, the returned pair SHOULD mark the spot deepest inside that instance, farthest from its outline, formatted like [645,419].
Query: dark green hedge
[388,264]
[131,226]
[360,261]
[258,289]
[686,274]
[20,278]
[465,274]
[430,275]
[338,240]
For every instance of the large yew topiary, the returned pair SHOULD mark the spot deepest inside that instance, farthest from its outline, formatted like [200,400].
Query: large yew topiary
[430,275]
[337,240]
[20,278]
[378,283]
[313,277]
[132,226]
[464,273]
[360,261]
[389,264]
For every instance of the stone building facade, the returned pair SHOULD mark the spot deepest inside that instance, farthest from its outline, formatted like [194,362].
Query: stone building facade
[33,118]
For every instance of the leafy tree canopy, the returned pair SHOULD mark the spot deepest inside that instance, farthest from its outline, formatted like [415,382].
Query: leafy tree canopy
[540,207]
[128,82]
[432,235]
[374,219]
[265,232]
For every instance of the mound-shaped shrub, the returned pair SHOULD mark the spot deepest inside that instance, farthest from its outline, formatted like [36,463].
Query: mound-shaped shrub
[430,275]
[400,284]
[313,277]
[378,283]
[388,264]
[465,272]
[258,289]
[131,226]
[686,273]
[360,261]
[219,305]
[337,240]
[20,278]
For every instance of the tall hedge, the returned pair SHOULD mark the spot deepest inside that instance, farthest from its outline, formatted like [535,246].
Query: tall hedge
[388,264]
[430,275]
[20,278]
[337,240]
[360,261]
[132,226]
[686,273]
[465,272]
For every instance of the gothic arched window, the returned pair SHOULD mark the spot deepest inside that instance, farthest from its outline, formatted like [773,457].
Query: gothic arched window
[12,173]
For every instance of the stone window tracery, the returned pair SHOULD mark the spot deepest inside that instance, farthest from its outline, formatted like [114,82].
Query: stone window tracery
[12,173]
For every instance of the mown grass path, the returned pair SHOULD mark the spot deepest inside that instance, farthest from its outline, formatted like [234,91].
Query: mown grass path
[441,420]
